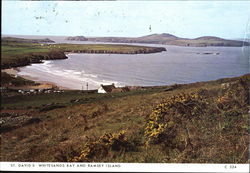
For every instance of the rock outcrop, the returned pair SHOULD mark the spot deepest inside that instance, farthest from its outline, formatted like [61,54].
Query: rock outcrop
[34,58]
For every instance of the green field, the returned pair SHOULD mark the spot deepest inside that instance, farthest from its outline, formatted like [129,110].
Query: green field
[15,53]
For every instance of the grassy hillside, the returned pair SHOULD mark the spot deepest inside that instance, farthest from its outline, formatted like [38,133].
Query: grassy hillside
[23,40]
[205,122]
[17,53]
[7,80]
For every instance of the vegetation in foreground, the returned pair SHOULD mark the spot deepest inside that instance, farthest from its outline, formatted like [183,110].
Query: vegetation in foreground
[205,122]
[8,80]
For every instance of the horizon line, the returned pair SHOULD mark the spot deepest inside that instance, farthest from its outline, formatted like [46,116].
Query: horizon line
[122,36]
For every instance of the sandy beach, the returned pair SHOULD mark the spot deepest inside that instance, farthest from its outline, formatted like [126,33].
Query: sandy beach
[11,71]
[40,84]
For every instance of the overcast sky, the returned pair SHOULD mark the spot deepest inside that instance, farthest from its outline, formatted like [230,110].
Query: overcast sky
[227,19]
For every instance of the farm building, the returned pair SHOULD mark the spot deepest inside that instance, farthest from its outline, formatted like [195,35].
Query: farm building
[112,89]
[106,88]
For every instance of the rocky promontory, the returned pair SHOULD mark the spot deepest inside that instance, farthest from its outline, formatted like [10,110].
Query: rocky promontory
[27,59]
[138,51]
[18,52]
[23,40]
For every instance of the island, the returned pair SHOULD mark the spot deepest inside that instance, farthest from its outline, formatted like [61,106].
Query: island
[168,39]
[77,38]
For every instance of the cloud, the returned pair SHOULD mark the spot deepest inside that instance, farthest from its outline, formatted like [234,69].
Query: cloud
[126,18]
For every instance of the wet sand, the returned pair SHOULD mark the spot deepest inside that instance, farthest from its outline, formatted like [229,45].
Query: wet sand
[40,84]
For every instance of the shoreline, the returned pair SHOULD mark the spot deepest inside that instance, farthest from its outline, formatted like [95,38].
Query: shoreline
[41,84]
[15,71]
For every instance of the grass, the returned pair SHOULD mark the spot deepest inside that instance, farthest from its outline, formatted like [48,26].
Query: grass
[6,79]
[203,122]
[219,134]
[15,100]
[16,53]
[23,40]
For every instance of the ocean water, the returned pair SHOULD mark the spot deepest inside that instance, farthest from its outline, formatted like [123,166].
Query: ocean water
[176,65]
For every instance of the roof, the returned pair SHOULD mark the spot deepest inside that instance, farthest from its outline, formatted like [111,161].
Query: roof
[108,88]
[113,89]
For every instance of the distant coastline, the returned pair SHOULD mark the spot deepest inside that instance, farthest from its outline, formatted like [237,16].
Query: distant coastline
[21,52]
[166,39]
[43,51]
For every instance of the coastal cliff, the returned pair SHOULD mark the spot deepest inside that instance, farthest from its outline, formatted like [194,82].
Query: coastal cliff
[27,59]
[139,51]
[23,40]
[17,52]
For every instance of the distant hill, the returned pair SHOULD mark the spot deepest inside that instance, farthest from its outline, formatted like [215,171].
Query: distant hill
[210,41]
[77,38]
[23,40]
[168,39]
[157,38]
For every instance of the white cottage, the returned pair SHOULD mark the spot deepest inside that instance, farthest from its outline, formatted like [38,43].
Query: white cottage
[106,88]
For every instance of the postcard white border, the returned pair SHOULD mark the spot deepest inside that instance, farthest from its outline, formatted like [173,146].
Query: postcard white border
[121,167]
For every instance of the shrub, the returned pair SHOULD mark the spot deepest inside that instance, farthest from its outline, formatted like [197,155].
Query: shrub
[236,96]
[188,126]
[101,147]
[168,115]
[50,107]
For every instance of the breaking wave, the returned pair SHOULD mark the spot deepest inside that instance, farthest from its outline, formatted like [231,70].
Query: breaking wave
[72,79]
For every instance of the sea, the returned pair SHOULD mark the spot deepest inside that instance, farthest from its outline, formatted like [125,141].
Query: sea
[176,65]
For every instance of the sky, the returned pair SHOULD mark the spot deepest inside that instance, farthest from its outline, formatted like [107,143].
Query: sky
[190,19]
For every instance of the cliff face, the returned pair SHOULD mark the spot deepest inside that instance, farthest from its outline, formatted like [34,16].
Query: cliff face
[23,60]
[140,51]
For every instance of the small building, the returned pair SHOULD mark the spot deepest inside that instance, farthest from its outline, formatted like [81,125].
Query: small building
[112,89]
[106,88]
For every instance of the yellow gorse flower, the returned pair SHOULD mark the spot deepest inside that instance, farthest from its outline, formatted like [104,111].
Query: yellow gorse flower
[157,126]
[102,145]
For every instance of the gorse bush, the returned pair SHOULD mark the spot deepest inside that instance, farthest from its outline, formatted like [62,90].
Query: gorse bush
[161,125]
[185,125]
[205,122]
[101,147]
[235,96]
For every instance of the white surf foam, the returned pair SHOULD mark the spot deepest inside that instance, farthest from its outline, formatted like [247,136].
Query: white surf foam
[70,78]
